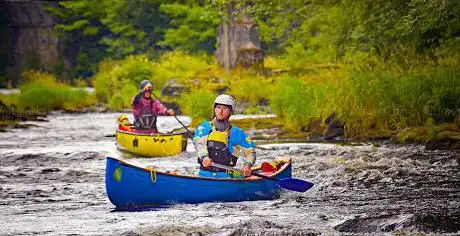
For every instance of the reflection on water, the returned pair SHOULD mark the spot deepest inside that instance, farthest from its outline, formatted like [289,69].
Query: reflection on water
[52,183]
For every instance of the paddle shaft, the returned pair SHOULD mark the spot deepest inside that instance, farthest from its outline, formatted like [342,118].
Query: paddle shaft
[297,185]
[237,170]
[188,131]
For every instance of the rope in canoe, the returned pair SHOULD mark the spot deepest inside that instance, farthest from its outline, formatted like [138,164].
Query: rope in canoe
[153,175]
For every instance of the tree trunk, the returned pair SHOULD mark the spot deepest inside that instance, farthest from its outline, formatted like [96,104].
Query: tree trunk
[238,42]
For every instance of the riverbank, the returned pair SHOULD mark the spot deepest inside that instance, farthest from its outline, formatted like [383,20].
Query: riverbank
[269,128]
[10,118]
[437,137]
[416,103]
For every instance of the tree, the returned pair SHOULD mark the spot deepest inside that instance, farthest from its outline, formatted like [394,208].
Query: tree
[192,27]
[93,30]
[328,30]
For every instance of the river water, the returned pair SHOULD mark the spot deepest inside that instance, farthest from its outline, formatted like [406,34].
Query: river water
[52,183]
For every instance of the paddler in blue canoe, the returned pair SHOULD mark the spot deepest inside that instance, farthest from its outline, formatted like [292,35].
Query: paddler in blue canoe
[218,141]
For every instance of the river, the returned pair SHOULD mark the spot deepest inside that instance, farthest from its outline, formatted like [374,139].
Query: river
[52,183]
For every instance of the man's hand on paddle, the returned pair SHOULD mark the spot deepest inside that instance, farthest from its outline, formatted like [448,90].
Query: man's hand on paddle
[206,162]
[246,171]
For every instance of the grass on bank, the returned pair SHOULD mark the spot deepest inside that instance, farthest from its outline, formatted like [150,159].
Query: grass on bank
[41,91]
[117,81]
[380,97]
[369,95]
[198,105]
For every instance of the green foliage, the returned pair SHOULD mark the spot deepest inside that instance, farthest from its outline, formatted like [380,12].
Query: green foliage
[81,82]
[80,29]
[198,105]
[432,22]
[124,76]
[413,135]
[122,27]
[364,98]
[251,110]
[273,62]
[404,100]
[383,64]
[74,98]
[117,102]
[42,92]
[108,28]
[113,76]
[251,88]
[193,28]
[127,93]
[93,30]
[179,65]
[326,31]
[30,99]
[296,102]
[10,100]
[33,78]
[444,104]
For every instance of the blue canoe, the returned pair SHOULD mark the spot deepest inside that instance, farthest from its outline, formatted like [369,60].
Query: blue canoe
[131,186]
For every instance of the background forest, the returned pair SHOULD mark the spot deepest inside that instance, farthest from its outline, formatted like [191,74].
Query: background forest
[377,66]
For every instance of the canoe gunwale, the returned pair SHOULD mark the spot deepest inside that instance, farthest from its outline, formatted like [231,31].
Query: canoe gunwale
[125,150]
[152,135]
[286,165]
[122,146]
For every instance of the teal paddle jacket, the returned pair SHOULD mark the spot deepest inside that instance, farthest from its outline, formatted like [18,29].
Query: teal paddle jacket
[239,144]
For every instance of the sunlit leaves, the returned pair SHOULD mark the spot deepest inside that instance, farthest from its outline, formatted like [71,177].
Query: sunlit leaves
[193,28]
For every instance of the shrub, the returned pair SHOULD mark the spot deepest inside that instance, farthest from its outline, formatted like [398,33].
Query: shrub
[198,105]
[179,65]
[294,101]
[251,89]
[127,93]
[124,76]
[42,92]
[113,76]
[117,102]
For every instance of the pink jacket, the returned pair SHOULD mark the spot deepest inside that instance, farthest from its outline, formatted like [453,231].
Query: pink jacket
[150,104]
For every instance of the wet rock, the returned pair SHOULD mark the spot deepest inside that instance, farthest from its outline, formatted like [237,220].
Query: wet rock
[363,224]
[260,228]
[130,233]
[263,102]
[444,143]
[50,170]
[315,129]
[418,156]
[302,200]
[339,183]
[322,217]
[221,90]
[174,230]
[435,222]
[85,155]
[24,169]
[335,128]
[173,88]
[27,160]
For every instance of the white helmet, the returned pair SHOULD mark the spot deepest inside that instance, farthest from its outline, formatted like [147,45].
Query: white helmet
[225,99]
